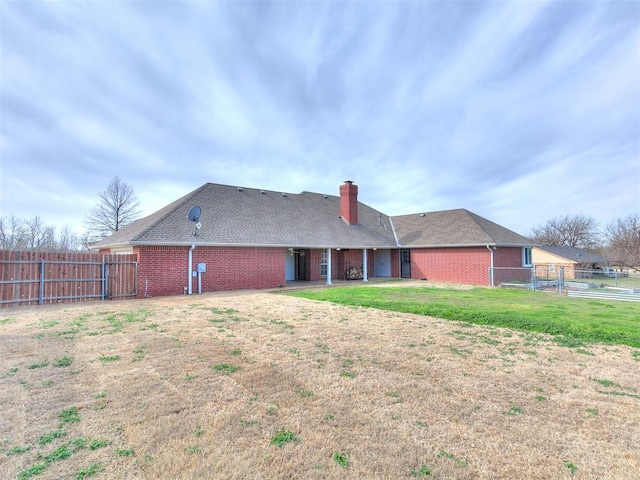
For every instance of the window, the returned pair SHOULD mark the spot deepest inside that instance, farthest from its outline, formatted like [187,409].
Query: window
[527,260]
[323,263]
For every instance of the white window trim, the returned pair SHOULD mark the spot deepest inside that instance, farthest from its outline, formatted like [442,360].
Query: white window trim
[324,263]
[524,256]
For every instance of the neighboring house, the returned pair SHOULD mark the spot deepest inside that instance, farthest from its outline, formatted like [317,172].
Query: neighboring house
[252,238]
[548,259]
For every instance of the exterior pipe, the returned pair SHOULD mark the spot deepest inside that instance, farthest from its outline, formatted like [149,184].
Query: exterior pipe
[189,273]
[491,268]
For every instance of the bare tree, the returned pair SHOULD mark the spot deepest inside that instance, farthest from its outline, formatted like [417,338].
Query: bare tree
[85,240]
[37,236]
[34,234]
[569,230]
[118,207]
[67,240]
[11,232]
[624,240]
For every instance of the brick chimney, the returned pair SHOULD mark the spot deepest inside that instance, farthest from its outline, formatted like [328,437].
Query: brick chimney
[349,202]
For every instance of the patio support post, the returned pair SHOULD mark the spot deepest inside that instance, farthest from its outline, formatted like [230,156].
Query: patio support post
[328,266]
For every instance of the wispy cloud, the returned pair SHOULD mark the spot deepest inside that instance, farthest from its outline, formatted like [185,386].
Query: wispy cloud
[515,110]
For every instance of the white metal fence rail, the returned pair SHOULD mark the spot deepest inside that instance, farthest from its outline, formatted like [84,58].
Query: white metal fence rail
[578,283]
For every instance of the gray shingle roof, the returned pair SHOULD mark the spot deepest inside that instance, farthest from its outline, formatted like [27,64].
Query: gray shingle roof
[252,217]
[458,228]
[574,254]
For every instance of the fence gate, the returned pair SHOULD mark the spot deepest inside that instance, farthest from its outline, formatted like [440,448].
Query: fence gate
[29,278]
[121,276]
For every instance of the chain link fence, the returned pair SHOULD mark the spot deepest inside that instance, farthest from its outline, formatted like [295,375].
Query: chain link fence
[603,283]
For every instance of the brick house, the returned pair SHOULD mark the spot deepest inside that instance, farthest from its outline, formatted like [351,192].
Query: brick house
[252,238]
[548,260]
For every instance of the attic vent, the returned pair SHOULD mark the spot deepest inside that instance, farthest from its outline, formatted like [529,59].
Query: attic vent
[422,214]
[263,192]
[326,196]
[284,194]
[239,189]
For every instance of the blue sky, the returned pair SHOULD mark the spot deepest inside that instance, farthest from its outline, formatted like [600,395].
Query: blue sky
[519,111]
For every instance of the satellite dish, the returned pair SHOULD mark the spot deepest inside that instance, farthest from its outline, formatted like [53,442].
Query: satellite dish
[194,216]
[194,213]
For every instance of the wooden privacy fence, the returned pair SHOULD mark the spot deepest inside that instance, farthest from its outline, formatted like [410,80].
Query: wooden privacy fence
[30,278]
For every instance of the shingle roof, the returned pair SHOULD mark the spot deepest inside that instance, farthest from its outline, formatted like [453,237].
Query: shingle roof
[574,254]
[251,217]
[458,227]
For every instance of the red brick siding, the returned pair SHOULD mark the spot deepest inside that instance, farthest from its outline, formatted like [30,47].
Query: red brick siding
[395,264]
[467,265]
[340,260]
[163,270]
[313,265]
[349,203]
[460,265]
[509,257]
[350,258]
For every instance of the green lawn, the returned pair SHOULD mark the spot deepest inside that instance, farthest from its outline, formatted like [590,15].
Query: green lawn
[571,319]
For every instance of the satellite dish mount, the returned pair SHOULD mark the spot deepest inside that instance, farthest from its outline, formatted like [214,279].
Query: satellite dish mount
[194,216]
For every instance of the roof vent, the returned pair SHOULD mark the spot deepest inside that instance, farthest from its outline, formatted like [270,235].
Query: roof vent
[263,192]
[284,194]
[239,189]
[422,214]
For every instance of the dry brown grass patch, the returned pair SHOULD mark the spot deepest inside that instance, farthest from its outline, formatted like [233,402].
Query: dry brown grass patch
[464,401]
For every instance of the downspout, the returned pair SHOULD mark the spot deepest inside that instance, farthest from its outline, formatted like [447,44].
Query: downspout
[490,268]
[189,273]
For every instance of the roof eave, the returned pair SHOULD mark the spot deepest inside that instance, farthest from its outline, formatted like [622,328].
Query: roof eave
[460,245]
[237,244]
